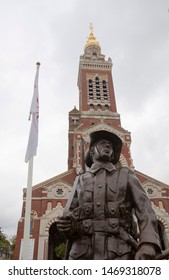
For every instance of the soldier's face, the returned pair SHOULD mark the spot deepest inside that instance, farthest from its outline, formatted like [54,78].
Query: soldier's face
[103,150]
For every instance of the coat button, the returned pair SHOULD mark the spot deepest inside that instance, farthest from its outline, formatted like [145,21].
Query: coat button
[98,204]
[120,252]
[112,210]
[99,186]
[87,211]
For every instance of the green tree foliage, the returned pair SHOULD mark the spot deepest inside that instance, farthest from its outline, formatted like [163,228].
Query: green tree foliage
[7,245]
[60,251]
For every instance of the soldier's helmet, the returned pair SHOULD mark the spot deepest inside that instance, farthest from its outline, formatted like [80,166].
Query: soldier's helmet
[104,135]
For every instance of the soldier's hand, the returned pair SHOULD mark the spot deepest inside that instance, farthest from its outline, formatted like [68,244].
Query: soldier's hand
[64,224]
[146,251]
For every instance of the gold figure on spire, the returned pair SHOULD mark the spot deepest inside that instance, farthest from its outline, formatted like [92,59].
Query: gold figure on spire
[91,28]
[91,39]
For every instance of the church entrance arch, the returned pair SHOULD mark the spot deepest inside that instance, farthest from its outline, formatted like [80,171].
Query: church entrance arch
[56,244]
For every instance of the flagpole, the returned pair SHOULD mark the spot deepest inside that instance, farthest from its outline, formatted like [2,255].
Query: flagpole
[26,249]
[26,236]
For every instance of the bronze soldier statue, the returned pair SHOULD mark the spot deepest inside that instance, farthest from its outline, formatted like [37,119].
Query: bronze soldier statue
[99,224]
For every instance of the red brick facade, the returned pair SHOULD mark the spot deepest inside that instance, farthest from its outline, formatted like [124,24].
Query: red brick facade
[97,110]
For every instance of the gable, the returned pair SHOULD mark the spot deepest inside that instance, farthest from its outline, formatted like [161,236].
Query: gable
[58,190]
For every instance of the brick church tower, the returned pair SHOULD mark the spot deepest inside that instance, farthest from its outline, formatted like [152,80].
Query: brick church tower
[97,111]
[97,105]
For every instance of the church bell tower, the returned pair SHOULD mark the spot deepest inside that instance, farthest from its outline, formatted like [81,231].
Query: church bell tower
[97,106]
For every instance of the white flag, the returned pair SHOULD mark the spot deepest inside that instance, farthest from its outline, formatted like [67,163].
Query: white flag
[34,114]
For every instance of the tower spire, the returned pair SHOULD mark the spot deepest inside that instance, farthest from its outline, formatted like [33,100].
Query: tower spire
[91,39]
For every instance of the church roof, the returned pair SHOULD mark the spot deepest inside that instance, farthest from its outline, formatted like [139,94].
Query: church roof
[74,111]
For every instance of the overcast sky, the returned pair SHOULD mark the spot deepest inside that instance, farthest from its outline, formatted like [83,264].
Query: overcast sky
[134,33]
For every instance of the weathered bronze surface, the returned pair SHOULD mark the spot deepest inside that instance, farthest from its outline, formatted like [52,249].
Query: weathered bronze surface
[110,216]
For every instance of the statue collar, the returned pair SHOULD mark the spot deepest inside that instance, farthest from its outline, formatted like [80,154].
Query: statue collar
[102,165]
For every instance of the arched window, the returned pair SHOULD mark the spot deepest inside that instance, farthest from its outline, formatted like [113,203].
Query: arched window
[49,205]
[104,84]
[91,107]
[90,89]
[97,81]
[90,83]
[97,88]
